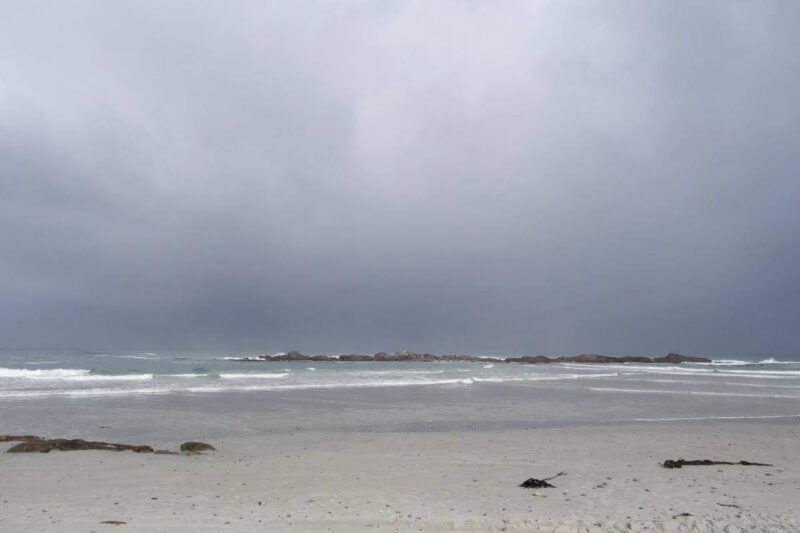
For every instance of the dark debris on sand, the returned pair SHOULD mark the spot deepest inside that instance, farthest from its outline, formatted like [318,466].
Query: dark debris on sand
[32,444]
[671,463]
[533,483]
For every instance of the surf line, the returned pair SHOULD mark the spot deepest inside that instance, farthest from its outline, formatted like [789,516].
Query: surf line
[681,419]
[694,393]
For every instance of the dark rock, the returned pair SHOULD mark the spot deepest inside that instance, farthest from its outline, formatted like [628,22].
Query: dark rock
[533,483]
[637,359]
[676,358]
[592,358]
[671,358]
[15,438]
[194,448]
[356,357]
[670,463]
[530,359]
[66,445]
[165,452]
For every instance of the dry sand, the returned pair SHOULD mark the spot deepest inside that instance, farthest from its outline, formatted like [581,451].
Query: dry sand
[419,482]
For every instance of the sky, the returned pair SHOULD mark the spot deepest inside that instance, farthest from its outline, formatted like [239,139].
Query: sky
[352,176]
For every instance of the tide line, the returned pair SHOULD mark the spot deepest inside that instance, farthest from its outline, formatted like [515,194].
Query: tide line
[695,393]
[689,418]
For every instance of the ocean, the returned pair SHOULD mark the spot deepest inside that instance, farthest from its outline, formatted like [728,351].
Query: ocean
[162,397]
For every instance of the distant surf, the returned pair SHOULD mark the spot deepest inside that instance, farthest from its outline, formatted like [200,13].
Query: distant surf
[31,375]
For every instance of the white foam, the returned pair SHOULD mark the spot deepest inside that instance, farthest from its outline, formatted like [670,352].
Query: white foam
[328,385]
[535,377]
[397,372]
[84,393]
[730,383]
[114,377]
[68,374]
[255,375]
[42,374]
[707,371]
[311,368]
[738,362]
[488,366]
[765,373]
[215,387]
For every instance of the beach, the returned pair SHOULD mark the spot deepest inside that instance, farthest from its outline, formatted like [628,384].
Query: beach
[399,446]
[423,481]
[349,266]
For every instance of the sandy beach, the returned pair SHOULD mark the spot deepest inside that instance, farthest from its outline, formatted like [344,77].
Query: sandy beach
[436,481]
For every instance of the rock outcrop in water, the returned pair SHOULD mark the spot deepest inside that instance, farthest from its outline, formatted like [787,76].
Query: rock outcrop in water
[678,358]
[672,358]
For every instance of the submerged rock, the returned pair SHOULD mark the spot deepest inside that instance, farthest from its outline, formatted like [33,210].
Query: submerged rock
[194,448]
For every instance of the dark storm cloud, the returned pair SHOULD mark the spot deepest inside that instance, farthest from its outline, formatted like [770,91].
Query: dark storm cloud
[452,176]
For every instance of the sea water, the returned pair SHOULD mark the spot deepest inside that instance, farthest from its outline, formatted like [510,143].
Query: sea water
[163,396]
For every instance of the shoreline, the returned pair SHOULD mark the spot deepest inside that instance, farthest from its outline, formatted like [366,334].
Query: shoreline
[438,481]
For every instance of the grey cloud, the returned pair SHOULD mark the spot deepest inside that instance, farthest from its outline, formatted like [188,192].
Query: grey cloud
[455,176]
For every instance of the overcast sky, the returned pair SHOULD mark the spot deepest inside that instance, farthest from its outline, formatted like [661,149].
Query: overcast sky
[485,177]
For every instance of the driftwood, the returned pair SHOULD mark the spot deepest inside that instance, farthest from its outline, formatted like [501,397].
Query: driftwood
[670,463]
[533,483]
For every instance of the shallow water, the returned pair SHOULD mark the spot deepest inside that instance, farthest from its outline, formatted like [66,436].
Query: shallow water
[158,397]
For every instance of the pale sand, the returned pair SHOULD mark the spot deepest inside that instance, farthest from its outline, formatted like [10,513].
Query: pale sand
[420,482]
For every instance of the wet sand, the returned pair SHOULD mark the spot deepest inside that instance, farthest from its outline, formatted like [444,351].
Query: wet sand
[437,481]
